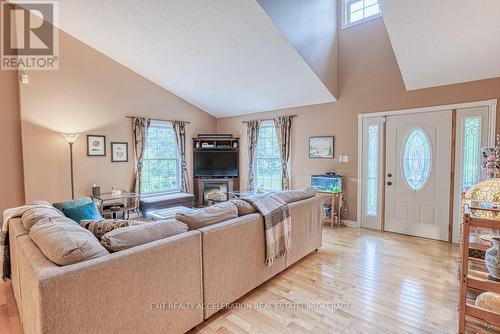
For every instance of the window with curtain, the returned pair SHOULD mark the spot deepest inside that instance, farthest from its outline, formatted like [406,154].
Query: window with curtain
[267,164]
[161,167]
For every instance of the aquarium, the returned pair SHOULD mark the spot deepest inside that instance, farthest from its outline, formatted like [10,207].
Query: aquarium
[331,183]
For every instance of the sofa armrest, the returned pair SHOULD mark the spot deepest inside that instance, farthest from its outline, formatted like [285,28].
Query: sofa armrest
[132,291]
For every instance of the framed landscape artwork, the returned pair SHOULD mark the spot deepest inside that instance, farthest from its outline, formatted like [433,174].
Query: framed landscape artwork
[321,147]
[96,146]
[119,152]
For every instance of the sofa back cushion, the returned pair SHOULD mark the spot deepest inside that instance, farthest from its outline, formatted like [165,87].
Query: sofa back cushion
[207,216]
[131,236]
[32,216]
[244,208]
[290,196]
[64,242]
[87,211]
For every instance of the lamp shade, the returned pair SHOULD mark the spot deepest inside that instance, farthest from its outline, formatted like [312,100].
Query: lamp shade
[71,137]
[484,191]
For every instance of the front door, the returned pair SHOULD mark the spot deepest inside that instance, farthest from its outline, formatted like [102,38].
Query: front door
[418,160]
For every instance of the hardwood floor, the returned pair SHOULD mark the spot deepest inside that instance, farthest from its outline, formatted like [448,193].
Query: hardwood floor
[389,282]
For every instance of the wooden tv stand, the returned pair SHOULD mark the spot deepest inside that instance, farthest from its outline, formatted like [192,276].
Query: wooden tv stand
[202,184]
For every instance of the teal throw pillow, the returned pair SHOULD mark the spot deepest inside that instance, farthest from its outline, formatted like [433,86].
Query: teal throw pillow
[73,203]
[83,212]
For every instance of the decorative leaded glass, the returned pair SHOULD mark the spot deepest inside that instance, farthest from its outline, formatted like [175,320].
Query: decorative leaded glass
[471,151]
[372,171]
[416,159]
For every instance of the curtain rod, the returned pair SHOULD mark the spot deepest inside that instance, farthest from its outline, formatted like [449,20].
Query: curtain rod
[160,120]
[267,119]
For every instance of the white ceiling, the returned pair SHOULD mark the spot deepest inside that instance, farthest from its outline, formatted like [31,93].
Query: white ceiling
[440,42]
[224,56]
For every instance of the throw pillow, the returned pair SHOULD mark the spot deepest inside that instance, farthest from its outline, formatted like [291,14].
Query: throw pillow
[131,236]
[83,212]
[32,216]
[64,242]
[73,203]
[207,216]
[244,208]
[102,226]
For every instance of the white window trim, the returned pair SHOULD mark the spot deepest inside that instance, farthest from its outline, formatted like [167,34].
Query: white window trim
[266,123]
[345,25]
[178,166]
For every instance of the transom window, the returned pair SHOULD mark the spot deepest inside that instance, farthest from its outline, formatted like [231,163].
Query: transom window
[160,171]
[359,11]
[267,168]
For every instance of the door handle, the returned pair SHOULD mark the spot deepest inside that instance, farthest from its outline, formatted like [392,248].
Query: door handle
[389,183]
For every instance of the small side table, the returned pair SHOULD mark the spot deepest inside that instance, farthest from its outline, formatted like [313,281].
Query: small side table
[335,200]
[129,201]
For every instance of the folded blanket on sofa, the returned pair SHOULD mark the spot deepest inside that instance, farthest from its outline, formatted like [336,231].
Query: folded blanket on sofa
[276,224]
[4,233]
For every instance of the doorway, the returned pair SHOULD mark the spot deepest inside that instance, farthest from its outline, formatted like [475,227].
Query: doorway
[414,165]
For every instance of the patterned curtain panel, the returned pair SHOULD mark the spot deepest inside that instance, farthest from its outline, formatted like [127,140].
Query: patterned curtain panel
[140,128]
[283,126]
[180,136]
[252,134]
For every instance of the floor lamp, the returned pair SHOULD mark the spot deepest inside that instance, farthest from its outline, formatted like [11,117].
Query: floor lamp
[71,138]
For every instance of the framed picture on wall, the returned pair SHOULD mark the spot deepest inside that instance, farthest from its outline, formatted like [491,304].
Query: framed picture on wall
[96,146]
[119,152]
[321,147]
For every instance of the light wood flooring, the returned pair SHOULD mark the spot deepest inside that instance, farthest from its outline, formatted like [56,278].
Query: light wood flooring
[392,284]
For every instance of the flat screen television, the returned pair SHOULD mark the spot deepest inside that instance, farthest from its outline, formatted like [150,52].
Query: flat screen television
[214,163]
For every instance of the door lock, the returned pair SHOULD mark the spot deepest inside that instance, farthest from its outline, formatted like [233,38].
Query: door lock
[389,183]
[389,175]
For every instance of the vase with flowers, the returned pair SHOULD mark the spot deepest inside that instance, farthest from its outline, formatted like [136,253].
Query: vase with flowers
[491,160]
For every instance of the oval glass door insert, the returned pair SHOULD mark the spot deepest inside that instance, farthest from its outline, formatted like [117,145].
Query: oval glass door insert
[416,159]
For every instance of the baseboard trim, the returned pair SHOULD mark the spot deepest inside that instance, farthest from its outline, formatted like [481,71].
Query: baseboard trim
[351,223]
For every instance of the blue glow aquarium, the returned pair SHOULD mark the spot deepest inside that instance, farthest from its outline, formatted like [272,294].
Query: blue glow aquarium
[328,183]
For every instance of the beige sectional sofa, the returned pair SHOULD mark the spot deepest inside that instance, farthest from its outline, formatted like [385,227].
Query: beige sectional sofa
[158,287]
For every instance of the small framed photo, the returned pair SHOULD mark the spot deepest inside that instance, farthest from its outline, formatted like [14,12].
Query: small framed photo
[321,147]
[96,146]
[119,152]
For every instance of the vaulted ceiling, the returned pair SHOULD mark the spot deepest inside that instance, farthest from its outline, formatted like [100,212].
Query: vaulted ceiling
[225,57]
[441,42]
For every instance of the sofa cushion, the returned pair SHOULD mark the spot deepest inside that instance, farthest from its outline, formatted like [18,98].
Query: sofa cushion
[72,203]
[210,215]
[290,196]
[244,208]
[87,211]
[32,216]
[64,242]
[131,236]
[102,226]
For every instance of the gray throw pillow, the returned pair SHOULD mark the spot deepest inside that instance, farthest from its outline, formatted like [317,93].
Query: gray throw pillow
[32,216]
[64,242]
[207,216]
[131,236]
[103,226]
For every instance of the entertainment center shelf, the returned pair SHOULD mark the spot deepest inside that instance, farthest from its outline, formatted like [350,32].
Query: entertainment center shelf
[215,168]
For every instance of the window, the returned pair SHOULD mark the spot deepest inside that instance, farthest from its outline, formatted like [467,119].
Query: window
[160,171]
[416,159]
[359,11]
[267,168]
[471,151]
[372,171]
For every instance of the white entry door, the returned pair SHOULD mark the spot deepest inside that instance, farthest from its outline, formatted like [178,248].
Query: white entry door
[418,154]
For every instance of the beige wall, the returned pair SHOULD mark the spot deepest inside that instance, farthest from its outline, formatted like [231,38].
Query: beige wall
[311,27]
[11,166]
[89,94]
[369,81]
